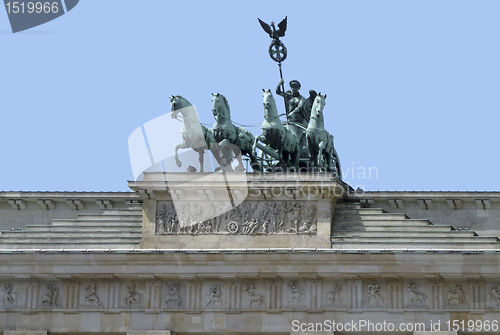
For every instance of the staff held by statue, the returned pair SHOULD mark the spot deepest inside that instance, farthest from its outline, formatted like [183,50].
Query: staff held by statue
[277,49]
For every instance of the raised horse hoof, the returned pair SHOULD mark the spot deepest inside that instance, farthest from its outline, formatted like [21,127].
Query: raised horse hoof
[178,162]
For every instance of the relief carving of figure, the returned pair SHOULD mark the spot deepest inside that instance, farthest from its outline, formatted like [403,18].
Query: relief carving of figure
[274,210]
[91,297]
[220,209]
[265,213]
[295,294]
[250,226]
[374,295]
[214,297]
[246,211]
[10,298]
[310,223]
[166,219]
[133,297]
[309,213]
[183,218]
[295,217]
[51,297]
[285,208]
[252,296]
[161,219]
[334,296]
[265,224]
[172,295]
[416,298]
[456,296]
[212,224]
[494,296]
[194,220]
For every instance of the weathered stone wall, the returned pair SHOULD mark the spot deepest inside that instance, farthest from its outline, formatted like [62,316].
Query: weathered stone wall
[478,211]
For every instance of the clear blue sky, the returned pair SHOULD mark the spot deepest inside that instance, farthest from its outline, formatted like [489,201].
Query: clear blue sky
[413,86]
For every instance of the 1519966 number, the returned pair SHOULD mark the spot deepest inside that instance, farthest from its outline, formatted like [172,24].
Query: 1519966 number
[32,7]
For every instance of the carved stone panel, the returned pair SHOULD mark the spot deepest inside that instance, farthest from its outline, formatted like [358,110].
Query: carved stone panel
[294,293]
[375,294]
[92,295]
[334,294]
[456,295]
[248,218]
[11,295]
[214,295]
[132,294]
[173,295]
[50,295]
[254,295]
[416,294]
[493,294]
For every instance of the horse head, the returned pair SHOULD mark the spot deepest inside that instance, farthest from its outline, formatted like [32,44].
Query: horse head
[317,107]
[269,104]
[177,103]
[220,106]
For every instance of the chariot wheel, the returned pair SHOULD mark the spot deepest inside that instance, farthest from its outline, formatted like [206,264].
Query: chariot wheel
[233,227]
[277,51]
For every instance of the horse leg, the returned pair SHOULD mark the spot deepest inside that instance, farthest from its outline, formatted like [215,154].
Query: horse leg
[253,156]
[237,153]
[256,139]
[329,160]
[226,155]
[296,159]
[240,167]
[312,153]
[321,160]
[201,153]
[183,145]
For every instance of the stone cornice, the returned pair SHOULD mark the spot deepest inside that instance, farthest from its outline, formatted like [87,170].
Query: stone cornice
[327,263]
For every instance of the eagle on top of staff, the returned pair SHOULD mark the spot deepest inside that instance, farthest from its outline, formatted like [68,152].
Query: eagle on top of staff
[271,29]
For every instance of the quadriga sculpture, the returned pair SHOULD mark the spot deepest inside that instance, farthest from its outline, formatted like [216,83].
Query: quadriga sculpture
[225,132]
[276,136]
[194,134]
[320,142]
